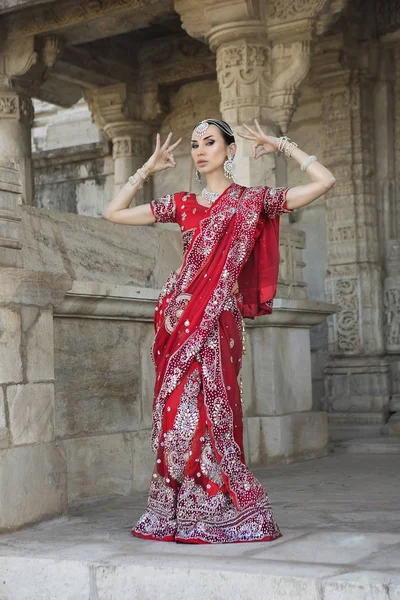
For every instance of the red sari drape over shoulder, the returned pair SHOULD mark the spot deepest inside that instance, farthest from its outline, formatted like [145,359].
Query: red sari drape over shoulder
[201,489]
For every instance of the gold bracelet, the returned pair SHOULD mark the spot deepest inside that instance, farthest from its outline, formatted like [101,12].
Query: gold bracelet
[143,172]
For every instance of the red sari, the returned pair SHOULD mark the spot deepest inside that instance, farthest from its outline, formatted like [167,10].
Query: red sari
[201,489]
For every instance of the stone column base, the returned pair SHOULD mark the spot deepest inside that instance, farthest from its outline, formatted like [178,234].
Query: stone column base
[357,396]
[33,475]
[33,484]
[285,438]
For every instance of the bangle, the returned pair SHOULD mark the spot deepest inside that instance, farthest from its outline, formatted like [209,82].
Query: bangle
[307,162]
[144,173]
[133,180]
[286,145]
[290,149]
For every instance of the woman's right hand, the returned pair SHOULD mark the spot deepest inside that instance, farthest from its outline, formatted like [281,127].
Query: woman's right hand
[162,157]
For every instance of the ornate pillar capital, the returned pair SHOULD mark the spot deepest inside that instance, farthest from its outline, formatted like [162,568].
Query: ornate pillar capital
[127,117]
[23,66]
[291,28]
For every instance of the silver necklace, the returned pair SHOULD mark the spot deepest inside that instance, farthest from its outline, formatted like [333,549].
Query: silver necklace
[209,196]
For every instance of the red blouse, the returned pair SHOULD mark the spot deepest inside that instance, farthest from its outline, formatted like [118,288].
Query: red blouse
[182,208]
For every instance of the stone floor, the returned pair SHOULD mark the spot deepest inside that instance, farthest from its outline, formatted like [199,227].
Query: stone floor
[340,517]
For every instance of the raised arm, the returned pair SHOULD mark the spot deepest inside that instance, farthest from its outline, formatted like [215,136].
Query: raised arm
[117,211]
[322,180]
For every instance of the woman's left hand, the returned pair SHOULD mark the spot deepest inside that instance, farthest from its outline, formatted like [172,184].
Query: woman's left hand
[263,143]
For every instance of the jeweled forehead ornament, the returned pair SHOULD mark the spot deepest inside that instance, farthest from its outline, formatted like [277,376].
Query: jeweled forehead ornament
[202,128]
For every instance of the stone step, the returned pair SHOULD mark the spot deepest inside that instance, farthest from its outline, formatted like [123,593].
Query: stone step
[341,541]
[190,574]
[375,445]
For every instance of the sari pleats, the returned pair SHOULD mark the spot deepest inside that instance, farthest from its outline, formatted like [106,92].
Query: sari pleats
[197,477]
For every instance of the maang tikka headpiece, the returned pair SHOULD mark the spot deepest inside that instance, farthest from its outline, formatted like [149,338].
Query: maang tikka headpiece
[202,127]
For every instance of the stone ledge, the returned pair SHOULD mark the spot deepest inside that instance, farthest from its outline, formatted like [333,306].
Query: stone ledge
[376,445]
[106,300]
[295,313]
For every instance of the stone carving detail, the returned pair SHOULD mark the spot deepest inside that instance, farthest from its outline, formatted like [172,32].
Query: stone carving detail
[131,147]
[14,106]
[387,15]
[283,11]
[346,295]
[62,15]
[242,76]
[392,319]
[52,47]
[290,65]
[9,106]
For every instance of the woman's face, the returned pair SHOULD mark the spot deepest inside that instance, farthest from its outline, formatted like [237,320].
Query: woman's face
[210,151]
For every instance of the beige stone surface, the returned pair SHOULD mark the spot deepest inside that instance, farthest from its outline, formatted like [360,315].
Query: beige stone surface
[339,541]
[36,287]
[93,249]
[143,460]
[286,438]
[33,484]
[281,374]
[98,376]
[10,340]
[99,465]
[147,377]
[4,433]
[37,329]
[31,412]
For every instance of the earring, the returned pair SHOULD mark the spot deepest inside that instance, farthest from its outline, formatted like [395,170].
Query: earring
[198,177]
[229,168]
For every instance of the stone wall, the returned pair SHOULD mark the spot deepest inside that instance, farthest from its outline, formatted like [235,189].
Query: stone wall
[306,130]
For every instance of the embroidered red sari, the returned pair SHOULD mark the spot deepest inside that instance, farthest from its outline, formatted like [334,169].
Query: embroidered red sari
[201,489]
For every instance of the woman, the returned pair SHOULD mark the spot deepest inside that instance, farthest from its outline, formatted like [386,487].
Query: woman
[201,489]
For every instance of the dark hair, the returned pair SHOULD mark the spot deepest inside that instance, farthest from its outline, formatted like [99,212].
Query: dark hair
[225,129]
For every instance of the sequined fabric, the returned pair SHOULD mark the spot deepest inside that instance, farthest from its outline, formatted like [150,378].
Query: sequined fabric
[202,490]
[194,490]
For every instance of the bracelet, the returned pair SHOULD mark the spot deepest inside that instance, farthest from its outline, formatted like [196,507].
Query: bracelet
[133,180]
[307,162]
[143,172]
[286,145]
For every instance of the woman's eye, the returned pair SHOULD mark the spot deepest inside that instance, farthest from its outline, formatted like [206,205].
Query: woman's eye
[210,143]
[194,146]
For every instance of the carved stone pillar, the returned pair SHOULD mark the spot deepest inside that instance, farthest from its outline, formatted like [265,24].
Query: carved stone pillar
[115,111]
[10,199]
[23,65]
[392,237]
[358,375]
[243,76]
[247,71]
[16,113]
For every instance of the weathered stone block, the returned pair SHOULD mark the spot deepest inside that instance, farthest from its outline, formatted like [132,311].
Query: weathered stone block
[100,465]
[143,460]
[147,377]
[33,483]
[4,433]
[26,577]
[97,368]
[282,374]
[92,249]
[286,438]
[10,340]
[37,330]
[31,411]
